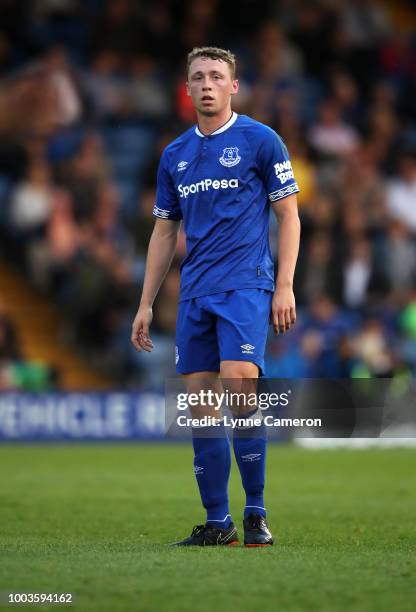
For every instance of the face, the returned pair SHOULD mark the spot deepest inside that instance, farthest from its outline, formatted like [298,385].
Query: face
[210,85]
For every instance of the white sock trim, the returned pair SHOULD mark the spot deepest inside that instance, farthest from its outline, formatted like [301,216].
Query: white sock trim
[259,507]
[219,520]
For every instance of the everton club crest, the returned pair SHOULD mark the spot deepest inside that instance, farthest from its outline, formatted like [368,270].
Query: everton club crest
[230,157]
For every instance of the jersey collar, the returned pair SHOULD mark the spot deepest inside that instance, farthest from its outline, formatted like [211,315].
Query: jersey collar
[224,127]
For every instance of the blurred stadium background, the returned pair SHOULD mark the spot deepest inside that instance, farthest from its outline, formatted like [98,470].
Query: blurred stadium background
[92,91]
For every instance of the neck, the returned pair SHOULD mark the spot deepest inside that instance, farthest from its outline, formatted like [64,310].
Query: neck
[207,125]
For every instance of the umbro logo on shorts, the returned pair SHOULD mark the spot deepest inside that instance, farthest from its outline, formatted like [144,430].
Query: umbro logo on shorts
[198,469]
[247,349]
[251,457]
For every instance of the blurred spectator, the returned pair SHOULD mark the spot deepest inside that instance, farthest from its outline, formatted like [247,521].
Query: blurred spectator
[365,21]
[305,172]
[383,129]
[407,317]
[407,343]
[398,56]
[400,258]
[15,372]
[372,349]
[277,57]
[102,85]
[117,26]
[51,259]
[156,33]
[345,94]
[90,162]
[199,24]
[147,93]
[40,97]
[330,136]
[358,273]
[401,192]
[9,346]
[317,272]
[361,168]
[312,33]
[353,220]
[32,202]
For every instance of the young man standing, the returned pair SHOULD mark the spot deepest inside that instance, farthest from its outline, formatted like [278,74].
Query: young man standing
[220,179]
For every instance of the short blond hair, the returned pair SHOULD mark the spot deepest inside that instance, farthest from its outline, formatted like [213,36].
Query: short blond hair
[213,53]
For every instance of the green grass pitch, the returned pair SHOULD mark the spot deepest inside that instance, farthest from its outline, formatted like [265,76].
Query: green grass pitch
[96,521]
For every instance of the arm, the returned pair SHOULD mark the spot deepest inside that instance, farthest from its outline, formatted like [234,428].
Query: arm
[283,305]
[160,253]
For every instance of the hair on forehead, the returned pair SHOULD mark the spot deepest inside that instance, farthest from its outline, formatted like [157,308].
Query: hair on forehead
[214,53]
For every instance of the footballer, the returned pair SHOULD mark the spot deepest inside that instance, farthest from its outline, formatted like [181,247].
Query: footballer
[219,179]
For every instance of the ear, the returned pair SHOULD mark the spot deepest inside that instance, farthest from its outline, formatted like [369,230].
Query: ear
[188,91]
[235,87]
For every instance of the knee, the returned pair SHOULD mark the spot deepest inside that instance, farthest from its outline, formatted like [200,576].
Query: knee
[239,369]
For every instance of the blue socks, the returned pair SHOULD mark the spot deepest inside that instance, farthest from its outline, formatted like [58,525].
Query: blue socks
[250,452]
[212,464]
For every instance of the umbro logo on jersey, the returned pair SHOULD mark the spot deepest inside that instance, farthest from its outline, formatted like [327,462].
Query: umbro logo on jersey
[230,157]
[198,469]
[251,457]
[182,165]
[247,349]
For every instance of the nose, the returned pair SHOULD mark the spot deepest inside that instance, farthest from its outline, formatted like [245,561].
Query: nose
[206,85]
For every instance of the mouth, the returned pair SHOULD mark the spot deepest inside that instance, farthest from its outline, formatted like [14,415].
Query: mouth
[207,99]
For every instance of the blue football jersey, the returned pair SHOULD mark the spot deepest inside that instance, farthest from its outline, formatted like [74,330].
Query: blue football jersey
[221,185]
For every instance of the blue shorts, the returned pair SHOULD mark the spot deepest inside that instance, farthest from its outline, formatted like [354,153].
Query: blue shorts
[232,325]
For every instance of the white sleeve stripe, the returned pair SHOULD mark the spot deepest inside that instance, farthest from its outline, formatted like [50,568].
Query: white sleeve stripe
[161,212]
[282,193]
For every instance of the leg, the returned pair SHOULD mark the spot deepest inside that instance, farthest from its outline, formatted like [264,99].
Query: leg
[242,335]
[198,361]
[250,452]
[212,457]
[249,442]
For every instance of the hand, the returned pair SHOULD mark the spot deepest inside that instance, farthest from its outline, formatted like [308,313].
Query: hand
[283,314]
[140,329]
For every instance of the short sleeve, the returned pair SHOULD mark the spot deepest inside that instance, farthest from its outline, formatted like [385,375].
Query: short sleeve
[275,167]
[166,205]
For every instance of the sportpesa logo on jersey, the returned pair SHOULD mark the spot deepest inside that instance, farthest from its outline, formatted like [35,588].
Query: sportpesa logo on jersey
[205,185]
[284,171]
